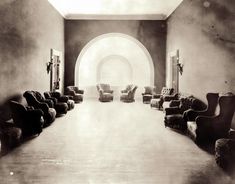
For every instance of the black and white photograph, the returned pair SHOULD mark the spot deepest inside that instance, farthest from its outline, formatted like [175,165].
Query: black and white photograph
[117,91]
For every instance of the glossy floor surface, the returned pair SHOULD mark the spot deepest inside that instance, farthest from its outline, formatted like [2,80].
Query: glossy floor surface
[110,143]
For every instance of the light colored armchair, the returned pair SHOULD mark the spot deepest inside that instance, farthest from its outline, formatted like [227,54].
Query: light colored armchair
[105,92]
[128,94]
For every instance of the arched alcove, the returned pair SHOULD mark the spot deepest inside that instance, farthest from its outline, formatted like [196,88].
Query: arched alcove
[115,52]
[115,70]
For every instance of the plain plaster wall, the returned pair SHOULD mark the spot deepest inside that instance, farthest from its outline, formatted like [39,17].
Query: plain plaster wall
[152,34]
[28,30]
[204,33]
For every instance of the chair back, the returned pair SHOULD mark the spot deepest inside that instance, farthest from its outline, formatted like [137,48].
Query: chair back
[31,98]
[227,108]
[212,101]
[149,90]
[18,111]
[104,87]
[167,91]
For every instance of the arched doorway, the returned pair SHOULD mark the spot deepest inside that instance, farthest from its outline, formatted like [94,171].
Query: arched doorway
[119,53]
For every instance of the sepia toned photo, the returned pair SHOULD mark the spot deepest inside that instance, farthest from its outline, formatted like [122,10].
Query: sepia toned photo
[117,91]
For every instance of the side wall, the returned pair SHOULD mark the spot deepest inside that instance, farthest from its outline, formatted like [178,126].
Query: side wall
[204,33]
[152,34]
[28,30]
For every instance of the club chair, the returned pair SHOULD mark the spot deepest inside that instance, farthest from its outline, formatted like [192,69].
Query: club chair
[105,92]
[128,94]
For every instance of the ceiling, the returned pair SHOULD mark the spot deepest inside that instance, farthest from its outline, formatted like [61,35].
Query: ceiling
[116,9]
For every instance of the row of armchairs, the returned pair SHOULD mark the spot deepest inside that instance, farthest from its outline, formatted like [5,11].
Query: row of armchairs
[40,111]
[212,124]
[202,125]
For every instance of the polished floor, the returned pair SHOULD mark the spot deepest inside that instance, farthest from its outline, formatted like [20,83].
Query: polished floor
[110,143]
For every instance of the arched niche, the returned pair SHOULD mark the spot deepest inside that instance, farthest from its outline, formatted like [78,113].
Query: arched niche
[115,70]
[118,48]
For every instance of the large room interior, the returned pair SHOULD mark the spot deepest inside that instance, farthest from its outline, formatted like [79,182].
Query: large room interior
[117,92]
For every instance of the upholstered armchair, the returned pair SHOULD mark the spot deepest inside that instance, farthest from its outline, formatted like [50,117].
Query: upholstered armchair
[105,92]
[207,128]
[49,114]
[157,99]
[60,107]
[174,115]
[225,151]
[212,102]
[40,98]
[60,99]
[128,95]
[29,120]
[75,92]
[148,94]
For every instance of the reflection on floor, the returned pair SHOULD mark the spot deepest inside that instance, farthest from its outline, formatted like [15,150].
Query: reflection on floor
[110,143]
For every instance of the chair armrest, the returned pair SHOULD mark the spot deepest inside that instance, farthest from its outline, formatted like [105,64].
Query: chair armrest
[173,110]
[80,91]
[191,114]
[101,91]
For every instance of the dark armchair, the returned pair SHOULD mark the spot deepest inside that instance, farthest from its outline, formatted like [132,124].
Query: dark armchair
[128,95]
[59,98]
[212,101]
[174,117]
[40,98]
[105,92]
[49,114]
[75,92]
[209,128]
[29,120]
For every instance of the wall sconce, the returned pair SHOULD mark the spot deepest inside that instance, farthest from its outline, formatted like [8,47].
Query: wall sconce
[180,67]
[49,65]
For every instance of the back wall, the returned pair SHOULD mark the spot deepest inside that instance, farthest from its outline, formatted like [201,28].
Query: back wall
[152,34]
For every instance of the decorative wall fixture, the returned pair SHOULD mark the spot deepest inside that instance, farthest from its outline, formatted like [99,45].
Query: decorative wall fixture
[180,68]
[49,66]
